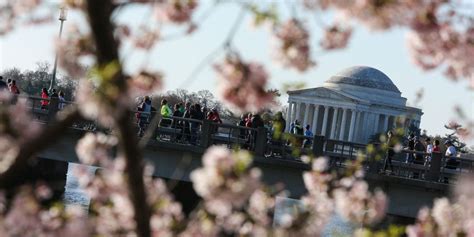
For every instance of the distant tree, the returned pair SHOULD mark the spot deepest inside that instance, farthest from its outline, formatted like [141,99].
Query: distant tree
[30,82]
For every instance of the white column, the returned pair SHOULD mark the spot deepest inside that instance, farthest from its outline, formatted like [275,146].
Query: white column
[352,125]
[315,119]
[332,135]
[298,111]
[357,126]
[293,111]
[365,126]
[306,115]
[288,116]
[343,124]
[376,123]
[385,123]
[325,120]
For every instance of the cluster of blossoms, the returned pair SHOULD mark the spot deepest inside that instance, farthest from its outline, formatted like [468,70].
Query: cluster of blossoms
[13,12]
[242,85]
[111,208]
[145,83]
[15,127]
[441,34]
[177,11]
[335,37]
[293,48]
[228,186]
[27,217]
[448,218]
[146,38]
[75,47]
[444,45]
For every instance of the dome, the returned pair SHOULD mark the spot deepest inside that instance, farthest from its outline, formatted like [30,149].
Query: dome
[364,77]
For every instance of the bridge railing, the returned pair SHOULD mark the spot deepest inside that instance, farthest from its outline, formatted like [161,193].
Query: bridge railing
[203,133]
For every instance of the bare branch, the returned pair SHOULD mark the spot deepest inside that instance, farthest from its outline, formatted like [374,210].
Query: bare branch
[99,13]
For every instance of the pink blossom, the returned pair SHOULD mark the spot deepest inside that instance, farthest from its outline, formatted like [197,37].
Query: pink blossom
[335,37]
[146,38]
[72,49]
[358,205]
[95,149]
[242,85]
[177,11]
[293,49]
[145,83]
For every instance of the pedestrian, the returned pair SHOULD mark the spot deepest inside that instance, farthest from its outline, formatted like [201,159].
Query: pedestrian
[411,148]
[45,97]
[144,115]
[436,146]
[62,100]
[391,143]
[54,94]
[187,125]
[279,125]
[3,85]
[214,116]
[450,155]
[420,149]
[429,150]
[177,123]
[196,114]
[419,155]
[166,113]
[298,129]
[308,136]
[181,108]
[13,88]
[248,120]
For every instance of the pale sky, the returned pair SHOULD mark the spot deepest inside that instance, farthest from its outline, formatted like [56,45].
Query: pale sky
[177,58]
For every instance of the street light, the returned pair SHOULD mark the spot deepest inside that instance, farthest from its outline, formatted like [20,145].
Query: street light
[62,18]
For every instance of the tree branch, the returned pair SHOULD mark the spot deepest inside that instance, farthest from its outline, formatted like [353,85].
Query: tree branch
[12,177]
[99,13]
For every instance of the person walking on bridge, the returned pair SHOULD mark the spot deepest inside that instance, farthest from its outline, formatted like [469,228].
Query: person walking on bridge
[391,143]
[45,97]
[166,113]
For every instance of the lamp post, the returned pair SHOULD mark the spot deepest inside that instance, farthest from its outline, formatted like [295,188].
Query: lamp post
[62,18]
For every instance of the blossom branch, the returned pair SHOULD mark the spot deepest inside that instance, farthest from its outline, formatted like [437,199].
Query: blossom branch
[99,13]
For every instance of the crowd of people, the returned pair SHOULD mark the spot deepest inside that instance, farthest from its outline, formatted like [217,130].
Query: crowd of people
[46,96]
[420,152]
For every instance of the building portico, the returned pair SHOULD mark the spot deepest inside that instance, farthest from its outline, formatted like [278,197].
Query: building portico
[351,106]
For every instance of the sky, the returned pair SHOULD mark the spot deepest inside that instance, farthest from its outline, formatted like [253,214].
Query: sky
[178,58]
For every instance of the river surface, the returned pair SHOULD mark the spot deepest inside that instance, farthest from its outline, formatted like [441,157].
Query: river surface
[74,195]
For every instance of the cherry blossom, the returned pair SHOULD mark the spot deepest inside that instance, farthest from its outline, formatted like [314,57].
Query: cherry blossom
[145,83]
[94,149]
[293,49]
[357,204]
[73,48]
[335,37]
[27,217]
[242,85]
[146,38]
[177,11]
[225,181]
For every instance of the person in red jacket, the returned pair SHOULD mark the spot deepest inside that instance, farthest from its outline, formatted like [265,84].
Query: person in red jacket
[214,116]
[44,95]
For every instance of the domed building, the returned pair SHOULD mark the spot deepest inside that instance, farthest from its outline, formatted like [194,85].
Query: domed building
[352,105]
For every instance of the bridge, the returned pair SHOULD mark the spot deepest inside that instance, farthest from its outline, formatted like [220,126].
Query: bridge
[175,152]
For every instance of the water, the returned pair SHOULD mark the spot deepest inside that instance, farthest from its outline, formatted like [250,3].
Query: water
[337,226]
[73,193]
